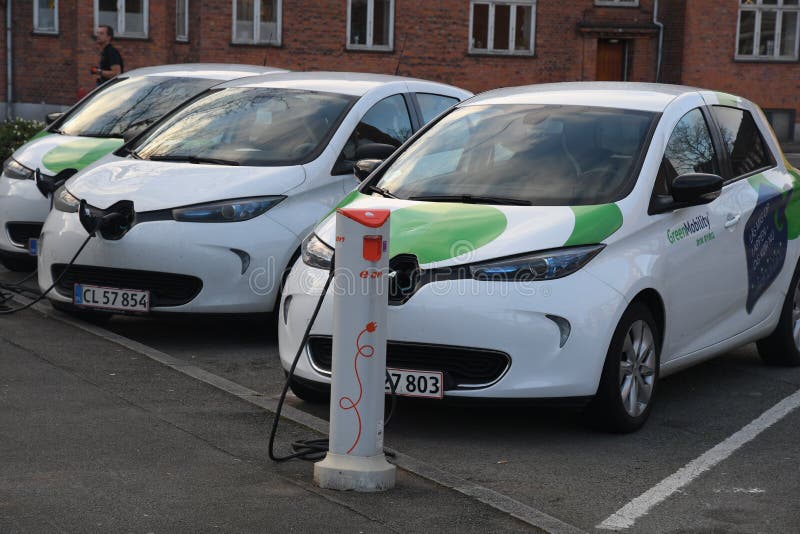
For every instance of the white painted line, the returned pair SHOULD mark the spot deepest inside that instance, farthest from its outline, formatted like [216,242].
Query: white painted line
[626,516]
[527,514]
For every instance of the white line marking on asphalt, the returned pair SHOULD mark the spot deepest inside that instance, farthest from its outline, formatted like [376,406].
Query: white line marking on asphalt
[626,516]
[498,501]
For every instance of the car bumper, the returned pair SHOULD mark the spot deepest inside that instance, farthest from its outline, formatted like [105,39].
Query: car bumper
[215,253]
[518,319]
[20,202]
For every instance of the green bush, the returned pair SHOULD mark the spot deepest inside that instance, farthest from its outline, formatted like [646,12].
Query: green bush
[14,133]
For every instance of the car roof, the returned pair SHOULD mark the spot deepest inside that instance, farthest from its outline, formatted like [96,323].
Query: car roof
[349,83]
[211,71]
[622,95]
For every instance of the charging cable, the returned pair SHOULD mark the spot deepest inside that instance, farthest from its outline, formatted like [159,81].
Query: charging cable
[313,449]
[10,311]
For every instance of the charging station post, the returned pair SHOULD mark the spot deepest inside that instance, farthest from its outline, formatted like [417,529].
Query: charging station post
[355,459]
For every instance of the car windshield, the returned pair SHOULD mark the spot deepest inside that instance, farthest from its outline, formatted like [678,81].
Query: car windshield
[249,126]
[523,154]
[130,103]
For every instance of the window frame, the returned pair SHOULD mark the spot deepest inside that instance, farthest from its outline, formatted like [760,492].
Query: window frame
[370,28]
[758,8]
[511,51]
[182,34]
[616,3]
[45,31]
[256,40]
[119,29]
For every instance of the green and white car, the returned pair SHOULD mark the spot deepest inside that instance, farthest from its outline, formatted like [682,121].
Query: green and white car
[573,241]
[91,129]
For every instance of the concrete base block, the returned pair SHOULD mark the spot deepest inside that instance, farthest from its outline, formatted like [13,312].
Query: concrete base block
[357,473]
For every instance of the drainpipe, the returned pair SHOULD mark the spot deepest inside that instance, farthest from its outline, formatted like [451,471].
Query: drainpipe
[660,39]
[9,63]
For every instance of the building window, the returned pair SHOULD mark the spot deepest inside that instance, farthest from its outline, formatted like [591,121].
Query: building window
[502,27]
[45,16]
[617,3]
[370,24]
[257,21]
[128,18]
[181,20]
[768,29]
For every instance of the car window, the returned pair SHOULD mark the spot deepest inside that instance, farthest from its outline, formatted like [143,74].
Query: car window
[431,105]
[256,126]
[746,147]
[387,122]
[689,150]
[542,154]
[130,102]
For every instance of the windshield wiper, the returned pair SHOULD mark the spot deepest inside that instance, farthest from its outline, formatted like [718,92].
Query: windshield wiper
[195,159]
[473,199]
[381,191]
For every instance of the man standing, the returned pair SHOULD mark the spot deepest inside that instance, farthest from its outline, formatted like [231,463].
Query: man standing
[110,58]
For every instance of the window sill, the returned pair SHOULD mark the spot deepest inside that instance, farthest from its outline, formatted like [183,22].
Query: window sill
[755,59]
[500,53]
[130,38]
[45,33]
[365,48]
[254,44]
[182,40]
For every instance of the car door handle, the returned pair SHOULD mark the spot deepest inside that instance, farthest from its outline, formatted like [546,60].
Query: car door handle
[732,220]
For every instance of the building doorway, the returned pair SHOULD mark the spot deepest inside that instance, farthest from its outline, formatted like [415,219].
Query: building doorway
[612,60]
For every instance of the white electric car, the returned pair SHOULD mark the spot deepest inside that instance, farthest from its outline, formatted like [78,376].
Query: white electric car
[224,190]
[572,241]
[89,130]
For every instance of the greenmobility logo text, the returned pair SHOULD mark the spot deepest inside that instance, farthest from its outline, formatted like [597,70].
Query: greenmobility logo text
[689,228]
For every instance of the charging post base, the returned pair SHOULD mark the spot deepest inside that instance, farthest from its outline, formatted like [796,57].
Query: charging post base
[355,460]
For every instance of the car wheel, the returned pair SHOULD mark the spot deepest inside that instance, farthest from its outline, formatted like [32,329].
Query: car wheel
[782,346]
[20,265]
[90,316]
[309,392]
[630,373]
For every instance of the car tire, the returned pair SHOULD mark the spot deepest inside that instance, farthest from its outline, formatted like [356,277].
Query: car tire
[308,392]
[629,379]
[20,265]
[90,316]
[782,346]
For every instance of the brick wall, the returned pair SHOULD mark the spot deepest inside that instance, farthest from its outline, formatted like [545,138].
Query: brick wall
[708,59]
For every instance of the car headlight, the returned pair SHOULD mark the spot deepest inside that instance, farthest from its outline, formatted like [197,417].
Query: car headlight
[316,253]
[547,265]
[14,169]
[227,210]
[64,201]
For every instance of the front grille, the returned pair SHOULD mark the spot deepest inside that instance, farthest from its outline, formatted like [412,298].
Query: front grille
[166,289]
[463,367]
[20,232]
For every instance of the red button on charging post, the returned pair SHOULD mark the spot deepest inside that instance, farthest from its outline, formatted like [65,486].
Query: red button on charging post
[372,247]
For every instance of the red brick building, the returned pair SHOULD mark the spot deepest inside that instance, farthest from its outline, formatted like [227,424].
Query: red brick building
[476,44]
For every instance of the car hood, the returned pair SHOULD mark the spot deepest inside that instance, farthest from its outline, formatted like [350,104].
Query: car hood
[443,234]
[156,185]
[52,153]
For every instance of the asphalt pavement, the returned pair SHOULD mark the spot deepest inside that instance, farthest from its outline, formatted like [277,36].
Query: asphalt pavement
[95,437]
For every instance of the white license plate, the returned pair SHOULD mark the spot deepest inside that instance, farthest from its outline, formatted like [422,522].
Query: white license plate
[428,384]
[109,298]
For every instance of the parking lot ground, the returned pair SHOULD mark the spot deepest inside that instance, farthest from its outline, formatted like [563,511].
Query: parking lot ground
[95,437]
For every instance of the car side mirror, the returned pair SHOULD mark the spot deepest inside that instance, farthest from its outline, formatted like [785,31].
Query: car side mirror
[696,188]
[50,118]
[133,132]
[691,189]
[364,167]
[379,151]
